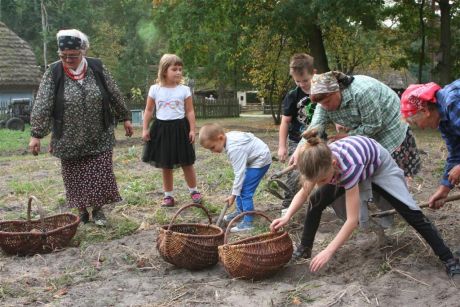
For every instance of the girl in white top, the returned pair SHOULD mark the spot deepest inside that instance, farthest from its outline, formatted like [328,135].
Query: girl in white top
[169,140]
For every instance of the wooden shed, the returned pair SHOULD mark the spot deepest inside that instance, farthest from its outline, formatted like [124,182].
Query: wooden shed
[19,74]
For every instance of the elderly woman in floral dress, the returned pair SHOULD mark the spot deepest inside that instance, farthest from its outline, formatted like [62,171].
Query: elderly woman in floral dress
[78,101]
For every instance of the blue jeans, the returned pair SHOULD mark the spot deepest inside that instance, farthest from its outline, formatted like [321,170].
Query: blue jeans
[252,179]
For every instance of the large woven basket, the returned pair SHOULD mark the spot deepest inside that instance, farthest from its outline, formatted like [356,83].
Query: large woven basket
[37,236]
[190,246]
[256,257]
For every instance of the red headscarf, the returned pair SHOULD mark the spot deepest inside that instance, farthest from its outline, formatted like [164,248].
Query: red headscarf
[416,95]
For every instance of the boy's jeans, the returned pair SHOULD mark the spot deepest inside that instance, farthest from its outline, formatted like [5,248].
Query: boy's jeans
[252,179]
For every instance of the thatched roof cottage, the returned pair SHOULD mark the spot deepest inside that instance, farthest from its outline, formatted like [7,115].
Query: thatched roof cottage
[19,73]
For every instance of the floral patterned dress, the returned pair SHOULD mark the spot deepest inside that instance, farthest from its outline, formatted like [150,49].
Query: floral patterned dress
[85,147]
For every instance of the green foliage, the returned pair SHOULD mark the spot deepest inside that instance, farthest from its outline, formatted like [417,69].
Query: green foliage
[232,45]
[117,228]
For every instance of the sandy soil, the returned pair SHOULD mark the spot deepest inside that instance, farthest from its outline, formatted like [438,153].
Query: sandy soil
[130,272]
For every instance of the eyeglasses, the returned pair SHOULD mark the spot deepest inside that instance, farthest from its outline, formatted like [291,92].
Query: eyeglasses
[69,56]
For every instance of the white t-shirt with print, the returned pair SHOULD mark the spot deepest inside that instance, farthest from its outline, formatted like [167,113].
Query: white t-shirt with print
[169,101]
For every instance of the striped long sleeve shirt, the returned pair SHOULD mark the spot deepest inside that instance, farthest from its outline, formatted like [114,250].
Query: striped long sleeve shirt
[358,159]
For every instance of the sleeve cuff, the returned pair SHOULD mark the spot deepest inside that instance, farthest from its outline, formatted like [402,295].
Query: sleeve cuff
[446,183]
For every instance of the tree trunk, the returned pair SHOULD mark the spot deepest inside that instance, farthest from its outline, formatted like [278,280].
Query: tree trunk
[422,47]
[445,66]
[315,39]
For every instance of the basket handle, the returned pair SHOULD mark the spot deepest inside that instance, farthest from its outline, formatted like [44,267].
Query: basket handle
[41,212]
[239,216]
[188,206]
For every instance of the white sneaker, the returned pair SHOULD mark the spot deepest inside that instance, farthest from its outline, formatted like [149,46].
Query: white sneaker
[231,216]
[242,226]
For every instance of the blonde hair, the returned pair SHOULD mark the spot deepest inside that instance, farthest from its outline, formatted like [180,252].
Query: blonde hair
[315,157]
[210,132]
[166,61]
[300,62]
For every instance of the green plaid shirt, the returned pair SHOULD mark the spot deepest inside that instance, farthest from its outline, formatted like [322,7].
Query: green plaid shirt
[368,108]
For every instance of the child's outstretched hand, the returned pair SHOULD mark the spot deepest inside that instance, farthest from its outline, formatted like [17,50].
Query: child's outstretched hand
[320,260]
[278,223]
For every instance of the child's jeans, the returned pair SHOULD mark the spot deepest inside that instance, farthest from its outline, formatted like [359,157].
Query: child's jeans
[252,179]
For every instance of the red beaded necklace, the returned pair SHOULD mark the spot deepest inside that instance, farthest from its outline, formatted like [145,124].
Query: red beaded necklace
[73,76]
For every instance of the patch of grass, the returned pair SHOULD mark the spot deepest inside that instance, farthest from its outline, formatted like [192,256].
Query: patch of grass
[9,290]
[21,187]
[134,193]
[128,154]
[384,268]
[161,217]
[123,227]
[117,228]
[59,282]
[13,140]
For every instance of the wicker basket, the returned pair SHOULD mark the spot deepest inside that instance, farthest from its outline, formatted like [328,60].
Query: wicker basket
[256,257]
[190,246]
[37,236]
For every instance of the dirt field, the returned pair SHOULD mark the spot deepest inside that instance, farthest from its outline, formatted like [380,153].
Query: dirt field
[120,266]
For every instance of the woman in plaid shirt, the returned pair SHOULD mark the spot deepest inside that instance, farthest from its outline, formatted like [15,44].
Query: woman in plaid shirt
[366,107]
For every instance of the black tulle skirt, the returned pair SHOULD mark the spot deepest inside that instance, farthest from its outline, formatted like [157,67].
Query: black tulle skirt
[169,145]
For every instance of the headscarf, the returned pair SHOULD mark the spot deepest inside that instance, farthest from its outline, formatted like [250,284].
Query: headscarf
[416,96]
[69,43]
[324,83]
[72,39]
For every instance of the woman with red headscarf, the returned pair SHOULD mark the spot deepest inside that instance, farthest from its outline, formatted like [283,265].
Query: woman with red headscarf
[429,106]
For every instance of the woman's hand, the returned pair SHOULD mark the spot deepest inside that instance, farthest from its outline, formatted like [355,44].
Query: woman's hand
[34,146]
[320,260]
[437,200]
[278,223]
[454,175]
[145,135]
[128,128]
[340,128]
[191,136]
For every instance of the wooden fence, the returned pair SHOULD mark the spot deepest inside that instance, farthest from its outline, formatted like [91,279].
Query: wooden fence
[208,108]
[222,107]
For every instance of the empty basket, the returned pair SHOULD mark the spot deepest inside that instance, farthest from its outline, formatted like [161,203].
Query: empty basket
[190,246]
[37,236]
[258,256]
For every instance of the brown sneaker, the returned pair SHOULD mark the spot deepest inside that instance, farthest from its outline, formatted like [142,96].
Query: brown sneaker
[168,201]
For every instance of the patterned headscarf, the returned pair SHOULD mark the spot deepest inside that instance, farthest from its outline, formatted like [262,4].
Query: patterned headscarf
[324,83]
[416,96]
[72,39]
[69,43]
